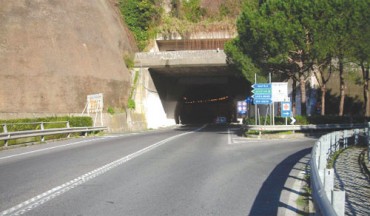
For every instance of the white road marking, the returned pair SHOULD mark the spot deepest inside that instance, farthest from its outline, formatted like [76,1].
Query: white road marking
[49,148]
[70,144]
[56,191]
[230,142]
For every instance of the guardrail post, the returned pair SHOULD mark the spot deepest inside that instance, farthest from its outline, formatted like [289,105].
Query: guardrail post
[338,202]
[345,139]
[68,126]
[5,130]
[329,182]
[42,128]
[357,132]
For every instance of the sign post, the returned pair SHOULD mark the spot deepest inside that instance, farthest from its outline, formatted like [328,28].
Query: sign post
[95,105]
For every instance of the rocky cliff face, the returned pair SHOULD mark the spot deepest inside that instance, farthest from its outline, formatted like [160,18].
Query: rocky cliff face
[53,53]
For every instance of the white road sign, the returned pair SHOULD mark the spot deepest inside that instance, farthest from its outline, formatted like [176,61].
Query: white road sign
[95,103]
[279,91]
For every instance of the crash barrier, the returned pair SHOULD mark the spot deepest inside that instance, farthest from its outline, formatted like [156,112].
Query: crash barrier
[302,127]
[42,132]
[327,200]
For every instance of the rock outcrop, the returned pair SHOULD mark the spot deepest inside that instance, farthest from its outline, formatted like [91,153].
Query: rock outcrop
[53,53]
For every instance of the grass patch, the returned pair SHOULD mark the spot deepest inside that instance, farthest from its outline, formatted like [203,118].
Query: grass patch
[333,157]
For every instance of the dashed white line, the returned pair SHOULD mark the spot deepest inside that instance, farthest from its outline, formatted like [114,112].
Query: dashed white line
[56,191]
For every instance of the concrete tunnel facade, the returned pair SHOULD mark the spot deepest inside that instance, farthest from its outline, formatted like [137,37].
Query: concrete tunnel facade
[193,86]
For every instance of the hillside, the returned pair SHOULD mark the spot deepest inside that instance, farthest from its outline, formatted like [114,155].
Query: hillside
[54,53]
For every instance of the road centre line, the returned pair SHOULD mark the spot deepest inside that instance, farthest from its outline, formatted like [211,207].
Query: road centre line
[56,191]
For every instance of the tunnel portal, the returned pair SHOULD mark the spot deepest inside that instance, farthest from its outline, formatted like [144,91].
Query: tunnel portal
[199,95]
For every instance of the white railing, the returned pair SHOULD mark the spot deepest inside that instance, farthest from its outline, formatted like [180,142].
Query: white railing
[327,200]
[42,132]
[302,127]
[184,54]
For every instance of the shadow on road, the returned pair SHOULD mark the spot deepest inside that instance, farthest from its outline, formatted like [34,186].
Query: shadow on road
[267,201]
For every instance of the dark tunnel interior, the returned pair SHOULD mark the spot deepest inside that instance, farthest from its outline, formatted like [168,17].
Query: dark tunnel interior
[200,98]
[202,104]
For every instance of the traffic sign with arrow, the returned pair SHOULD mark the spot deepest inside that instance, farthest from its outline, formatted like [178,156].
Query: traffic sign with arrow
[262,101]
[262,93]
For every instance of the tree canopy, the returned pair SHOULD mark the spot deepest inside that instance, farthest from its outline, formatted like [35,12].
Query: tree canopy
[290,38]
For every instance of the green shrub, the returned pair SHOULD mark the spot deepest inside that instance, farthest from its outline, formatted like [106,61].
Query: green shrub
[129,61]
[193,11]
[49,123]
[110,110]
[141,16]
[131,104]
[19,124]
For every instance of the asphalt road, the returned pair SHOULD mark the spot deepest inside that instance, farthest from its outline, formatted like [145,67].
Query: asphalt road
[180,171]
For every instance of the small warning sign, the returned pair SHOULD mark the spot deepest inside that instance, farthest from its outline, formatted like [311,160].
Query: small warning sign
[286,109]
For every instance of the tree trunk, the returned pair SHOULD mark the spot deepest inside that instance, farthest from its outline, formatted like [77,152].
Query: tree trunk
[323,94]
[342,87]
[294,94]
[302,84]
[365,75]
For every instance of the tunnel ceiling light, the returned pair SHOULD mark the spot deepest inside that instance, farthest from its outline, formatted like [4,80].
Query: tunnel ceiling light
[212,100]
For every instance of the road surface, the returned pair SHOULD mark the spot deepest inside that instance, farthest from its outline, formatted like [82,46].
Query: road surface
[188,170]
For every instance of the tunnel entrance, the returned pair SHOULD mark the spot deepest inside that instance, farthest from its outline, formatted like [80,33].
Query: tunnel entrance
[203,104]
[199,95]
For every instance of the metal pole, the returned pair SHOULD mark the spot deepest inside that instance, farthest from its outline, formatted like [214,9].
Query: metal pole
[266,115]
[271,113]
[255,105]
[368,143]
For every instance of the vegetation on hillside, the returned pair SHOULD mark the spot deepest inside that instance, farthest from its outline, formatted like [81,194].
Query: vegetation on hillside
[294,39]
[147,18]
[141,16]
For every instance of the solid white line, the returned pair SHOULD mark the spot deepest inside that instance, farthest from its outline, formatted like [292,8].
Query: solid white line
[56,191]
[49,148]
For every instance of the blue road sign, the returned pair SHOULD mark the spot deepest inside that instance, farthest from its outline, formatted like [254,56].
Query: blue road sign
[249,100]
[286,109]
[261,85]
[262,93]
[262,96]
[262,101]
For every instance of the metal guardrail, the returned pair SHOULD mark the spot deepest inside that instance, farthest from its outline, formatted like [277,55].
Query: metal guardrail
[302,127]
[6,136]
[327,200]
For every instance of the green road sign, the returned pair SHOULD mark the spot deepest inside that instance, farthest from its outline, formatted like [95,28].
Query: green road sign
[262,91]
